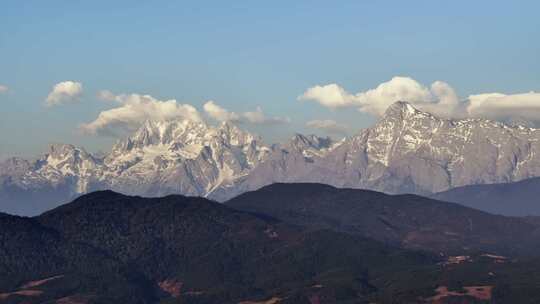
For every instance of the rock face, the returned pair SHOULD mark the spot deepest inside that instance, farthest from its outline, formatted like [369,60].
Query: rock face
[407,151]
[185,157]
[161,158]
[422,153]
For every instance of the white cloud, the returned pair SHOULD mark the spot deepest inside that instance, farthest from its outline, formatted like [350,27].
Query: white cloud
[444,101]
[107,95]
[503,107]
[330,95]
[64,92]
[258,117]
[219,113]
[329,126]
[3,88]
[255,117]
[439,98]
[135,109]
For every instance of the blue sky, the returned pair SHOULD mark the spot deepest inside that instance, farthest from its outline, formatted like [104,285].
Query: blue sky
[246,54]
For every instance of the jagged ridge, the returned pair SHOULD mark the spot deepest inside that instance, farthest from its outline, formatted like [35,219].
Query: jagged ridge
[407,151]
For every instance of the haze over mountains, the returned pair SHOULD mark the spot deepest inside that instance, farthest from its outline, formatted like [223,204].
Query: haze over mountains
[516,199]
[407,151]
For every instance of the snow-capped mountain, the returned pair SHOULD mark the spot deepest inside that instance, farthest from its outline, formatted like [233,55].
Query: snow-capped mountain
[409,151]
[406,151]
[182,157]
[414,151]
[160,158]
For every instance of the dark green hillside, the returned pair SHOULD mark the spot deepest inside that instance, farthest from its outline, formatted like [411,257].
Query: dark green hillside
[105,247]
[31,251]
[110,247]
[409,221]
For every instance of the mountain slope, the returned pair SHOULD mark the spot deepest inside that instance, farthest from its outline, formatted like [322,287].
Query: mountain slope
[409,151]
[31,252]
[185,157]
[514,199]
[161,158]
[402,220]
[109,248]
[32,186]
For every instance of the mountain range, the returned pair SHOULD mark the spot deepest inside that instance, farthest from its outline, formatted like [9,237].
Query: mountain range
[406,151]
[405,220]
[514,199]
[108,248]
[285,243]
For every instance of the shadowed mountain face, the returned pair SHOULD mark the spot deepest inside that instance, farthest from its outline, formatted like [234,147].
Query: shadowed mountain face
[31,252]
[105,247]
[403,220]
[109,248]
[514,199]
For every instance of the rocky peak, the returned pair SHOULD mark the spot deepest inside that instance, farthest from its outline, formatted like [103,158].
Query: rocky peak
[65,160]
[301,142]
[59,150]
[14,165]
[63,152]
[310,145]
[233,135]
[406,151]
[401,109]
[168,132]
[404,111]
[402,120]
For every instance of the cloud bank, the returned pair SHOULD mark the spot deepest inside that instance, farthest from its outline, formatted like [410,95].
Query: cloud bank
[329,126]
[501,106]
[439,98]
[64,92]
[135,109]
[3,88]
[132,110]
[219,113]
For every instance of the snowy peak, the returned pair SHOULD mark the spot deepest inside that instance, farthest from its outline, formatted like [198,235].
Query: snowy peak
[407,151]
[64,151]
[184,134]
[163,133]
[14,166]
[401,109]
[181,156]
[403,112]
[65,154]
[310,145]
[301,142]
[233,135]
[66,160]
